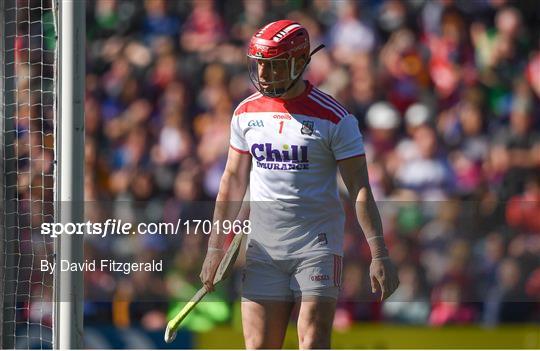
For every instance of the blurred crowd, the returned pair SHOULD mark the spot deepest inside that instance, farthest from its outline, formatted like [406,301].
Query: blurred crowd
[447,95]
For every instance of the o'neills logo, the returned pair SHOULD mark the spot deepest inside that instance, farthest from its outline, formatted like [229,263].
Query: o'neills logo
[320,277]
[281,117]
[287,158]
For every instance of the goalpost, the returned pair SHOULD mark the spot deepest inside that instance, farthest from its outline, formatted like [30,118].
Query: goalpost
[42,46]
[70,187]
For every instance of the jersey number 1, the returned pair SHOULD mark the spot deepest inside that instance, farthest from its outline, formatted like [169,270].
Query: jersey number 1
[281,126]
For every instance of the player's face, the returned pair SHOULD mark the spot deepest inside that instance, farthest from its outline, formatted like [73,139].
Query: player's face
[272,77]
[273,74]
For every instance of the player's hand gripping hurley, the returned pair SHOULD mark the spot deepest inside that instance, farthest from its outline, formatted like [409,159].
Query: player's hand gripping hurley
[223,270]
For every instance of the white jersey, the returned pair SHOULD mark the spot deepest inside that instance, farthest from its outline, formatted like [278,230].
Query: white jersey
[295,145]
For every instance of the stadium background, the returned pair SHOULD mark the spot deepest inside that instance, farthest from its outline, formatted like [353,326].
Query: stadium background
[447,95]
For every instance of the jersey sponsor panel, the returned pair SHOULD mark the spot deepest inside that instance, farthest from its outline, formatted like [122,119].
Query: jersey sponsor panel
[295,145]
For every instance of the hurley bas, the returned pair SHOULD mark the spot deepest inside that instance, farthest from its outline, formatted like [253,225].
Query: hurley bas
[103,265]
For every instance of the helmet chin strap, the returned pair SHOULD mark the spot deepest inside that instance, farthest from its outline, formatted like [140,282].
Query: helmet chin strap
[303,68]
[280,92]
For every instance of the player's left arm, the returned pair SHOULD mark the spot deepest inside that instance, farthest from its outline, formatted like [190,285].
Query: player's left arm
[382,272]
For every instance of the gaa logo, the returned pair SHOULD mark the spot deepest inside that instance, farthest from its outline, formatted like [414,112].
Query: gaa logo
[255,123]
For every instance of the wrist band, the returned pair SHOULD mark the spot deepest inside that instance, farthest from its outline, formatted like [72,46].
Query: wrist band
[375,237]
[214,249]
[380,258]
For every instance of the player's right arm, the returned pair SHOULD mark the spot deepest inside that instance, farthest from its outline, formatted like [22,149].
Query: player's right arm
[231,192]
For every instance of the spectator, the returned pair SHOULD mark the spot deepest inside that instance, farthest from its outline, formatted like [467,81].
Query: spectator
[430,175]
[522,210]
[349,35]
[505,301]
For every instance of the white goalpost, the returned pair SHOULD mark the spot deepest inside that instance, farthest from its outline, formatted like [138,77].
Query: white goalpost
[41,162]
[69,293]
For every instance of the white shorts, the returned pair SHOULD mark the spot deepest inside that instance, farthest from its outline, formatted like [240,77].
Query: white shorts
[267,279]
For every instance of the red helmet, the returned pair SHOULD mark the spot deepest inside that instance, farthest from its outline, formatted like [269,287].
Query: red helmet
[279,38]
[277,45]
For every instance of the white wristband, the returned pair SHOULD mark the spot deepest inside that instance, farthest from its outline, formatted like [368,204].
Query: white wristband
[214,249]
[380,258]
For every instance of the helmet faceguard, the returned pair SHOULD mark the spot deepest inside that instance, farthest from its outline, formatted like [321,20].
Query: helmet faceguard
[273,77]
[273,56]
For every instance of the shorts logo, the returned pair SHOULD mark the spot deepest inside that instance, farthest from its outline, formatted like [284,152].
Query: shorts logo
[255,123]
[319,277]
[307,127]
